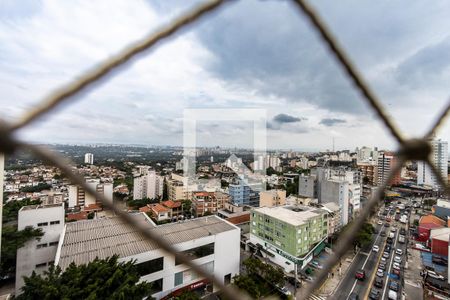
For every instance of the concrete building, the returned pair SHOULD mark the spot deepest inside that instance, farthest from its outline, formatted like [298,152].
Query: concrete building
[51,197]
[212,243]
[289,235]
[334,217]
[147,184]
[272,198]
[206,203]
[89,158]
[244,194]
[386,161]
[369,172]
[439,157]
[38,255]
[79,198]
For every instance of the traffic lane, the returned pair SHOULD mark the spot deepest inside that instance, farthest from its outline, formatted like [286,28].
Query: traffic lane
[387,279]
[346,284]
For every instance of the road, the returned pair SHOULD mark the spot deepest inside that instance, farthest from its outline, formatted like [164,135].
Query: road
[366,259]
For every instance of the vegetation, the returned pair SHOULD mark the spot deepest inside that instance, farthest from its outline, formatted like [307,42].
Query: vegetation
[259,278]
[363,238]
[11,241]
[36,188]
[138,203]
[100,279]
[187,295]
[292,187]
[11,209]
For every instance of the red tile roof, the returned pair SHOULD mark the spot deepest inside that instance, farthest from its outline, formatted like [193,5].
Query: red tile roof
[159,208]
[171,204]
[145,209]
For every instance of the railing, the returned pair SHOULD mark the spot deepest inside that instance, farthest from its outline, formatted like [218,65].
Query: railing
[412,149]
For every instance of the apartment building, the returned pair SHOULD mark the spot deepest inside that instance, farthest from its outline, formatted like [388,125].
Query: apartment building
[272,198]
[289,235]
[89,158]
[147,184]
[369,172]
[386,161]
[38,255]
[79,198]
[206,203]
[212,243]
[439,157]
[244,193]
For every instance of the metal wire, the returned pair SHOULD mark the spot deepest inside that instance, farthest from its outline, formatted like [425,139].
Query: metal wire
[417,149]
[102,70]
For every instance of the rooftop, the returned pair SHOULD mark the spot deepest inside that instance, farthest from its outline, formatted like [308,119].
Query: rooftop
[85,240]
[294,215]
[40,206]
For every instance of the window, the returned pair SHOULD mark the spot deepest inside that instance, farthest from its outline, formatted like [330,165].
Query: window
[53,244]
[198,252]
[42,224]
[54,222]
[41,265]
[227,279]
[178,278]
[151,266]
[39,246]
[157,286]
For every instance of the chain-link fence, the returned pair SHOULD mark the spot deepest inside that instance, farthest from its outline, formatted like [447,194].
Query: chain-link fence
[413,149]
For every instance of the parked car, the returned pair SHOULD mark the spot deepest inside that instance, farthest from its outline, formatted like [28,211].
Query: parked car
[402,231]
[383,233]
[386,255]
[398,259]
[353,296]
[399,251]
[392,295]
[375,248]
[360,274]
[401,239]
[396,265]
[439,260]
[396,272]
[434,275]
[380,222]
[316,264]
[382,266]
[387,248]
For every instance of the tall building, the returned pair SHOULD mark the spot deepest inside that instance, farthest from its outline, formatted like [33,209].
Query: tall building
[439,157]
[79,198]
[210,242]
[369,172]
[89,158]
[387,161]
[147,184]
[244,194]
[272,198]
[289,235]
[38,255]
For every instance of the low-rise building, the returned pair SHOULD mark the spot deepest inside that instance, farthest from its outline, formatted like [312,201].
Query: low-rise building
[206,203]
[272,198]
[212,243]
[79,198]
[289,235]
[38,255]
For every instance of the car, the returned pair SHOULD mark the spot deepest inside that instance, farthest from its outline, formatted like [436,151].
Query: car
[383,260]
[396,272]
[292,280]
[360,274]
[387,248]
[393,285]
[399,251]
[439,261]
[383,233]
[397,259]
[402,231]
[380,222]
[386,254]
[353,296]
[380,273]
[396,265]
[389,240]
[316,264]
[375,248]
[379,282]
[393,229]
[284,290]
[382,266]
[434,275]
[386,224]
[401,239]
[392,295]
[374,294]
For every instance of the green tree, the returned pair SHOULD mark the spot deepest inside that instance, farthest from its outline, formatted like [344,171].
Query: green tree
[11,209]
[36,188]
[187,295]
[11,241]
[138,203]
[248,284]
[99,279]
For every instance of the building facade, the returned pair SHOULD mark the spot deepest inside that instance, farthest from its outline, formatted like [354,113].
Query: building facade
[272,198]
[386,161]
[148,184]
[206,203]
[212,243]
[38,255]
[244,193]
[289,235]
[89,158]
[79,198]
[439,157]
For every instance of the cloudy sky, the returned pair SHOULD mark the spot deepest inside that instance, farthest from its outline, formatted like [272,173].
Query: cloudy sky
[251,54]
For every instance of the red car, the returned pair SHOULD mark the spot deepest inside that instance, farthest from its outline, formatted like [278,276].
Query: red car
[396,272]
[360,274]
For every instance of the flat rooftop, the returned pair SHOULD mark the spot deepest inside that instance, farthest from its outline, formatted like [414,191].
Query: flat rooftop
[86,240]
[40,206]
[290,215]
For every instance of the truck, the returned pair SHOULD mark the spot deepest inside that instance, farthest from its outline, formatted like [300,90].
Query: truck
[403,218]
[401,239]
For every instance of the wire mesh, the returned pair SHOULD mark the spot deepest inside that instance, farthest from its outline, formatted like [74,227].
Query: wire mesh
[417,149]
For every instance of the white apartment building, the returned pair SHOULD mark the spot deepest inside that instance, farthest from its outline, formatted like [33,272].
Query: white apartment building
[439,156]
[148,184]
[38,255]
[79,198]
[89,158]
[212,242]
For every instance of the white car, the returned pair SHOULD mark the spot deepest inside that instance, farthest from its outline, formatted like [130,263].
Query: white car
[380,273]
[380,222]
[375,248]
[396,266]
[399,251]
[383,259]
[397,259]
[435,275]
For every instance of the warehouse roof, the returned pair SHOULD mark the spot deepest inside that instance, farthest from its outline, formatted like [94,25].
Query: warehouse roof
[83,241]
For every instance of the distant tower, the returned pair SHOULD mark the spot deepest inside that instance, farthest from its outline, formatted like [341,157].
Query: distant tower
[89,158]
[212,158]
[333,144]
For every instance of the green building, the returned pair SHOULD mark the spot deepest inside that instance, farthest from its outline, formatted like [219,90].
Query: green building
[289,235]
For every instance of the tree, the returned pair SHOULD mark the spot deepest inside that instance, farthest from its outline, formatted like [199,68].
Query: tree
[11,241]
[11,209]
[138,203]
[246,283]
[99,279]
[187,295]
[36,188]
